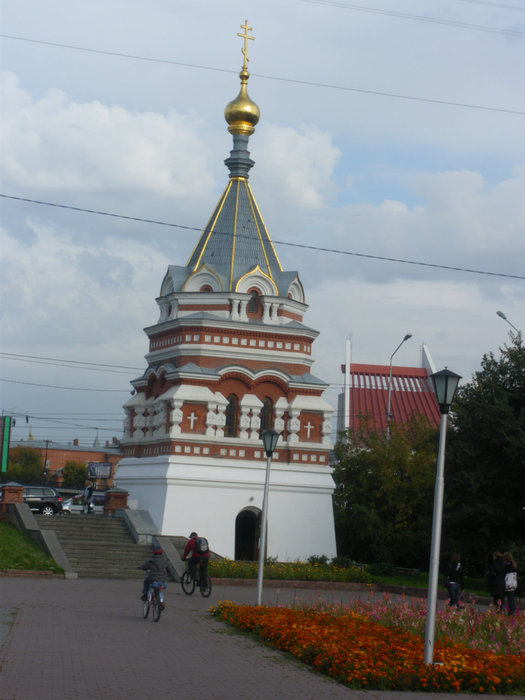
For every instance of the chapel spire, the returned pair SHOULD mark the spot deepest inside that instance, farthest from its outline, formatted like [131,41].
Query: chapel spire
[242,115]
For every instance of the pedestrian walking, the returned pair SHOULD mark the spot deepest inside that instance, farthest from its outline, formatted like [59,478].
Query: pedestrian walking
[496,579]
[511,581]
[454,580]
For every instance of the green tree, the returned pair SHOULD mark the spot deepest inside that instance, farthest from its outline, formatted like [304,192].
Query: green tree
[75,474]
[24,466]
[485,465]
[383,491]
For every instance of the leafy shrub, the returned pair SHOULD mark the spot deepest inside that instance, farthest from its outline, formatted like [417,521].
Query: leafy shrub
[318,559]
[288,571]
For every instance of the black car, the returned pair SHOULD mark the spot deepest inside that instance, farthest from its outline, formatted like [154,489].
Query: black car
[42,499]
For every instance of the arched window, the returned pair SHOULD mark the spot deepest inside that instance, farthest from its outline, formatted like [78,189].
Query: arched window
[266,414]
[253,304]
[232,410]
[206,288]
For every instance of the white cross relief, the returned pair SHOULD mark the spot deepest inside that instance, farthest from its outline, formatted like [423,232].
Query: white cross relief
[192,419]
[309,427]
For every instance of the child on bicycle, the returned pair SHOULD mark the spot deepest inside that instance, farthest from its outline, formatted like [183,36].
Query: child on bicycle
[200,554]
[157,568]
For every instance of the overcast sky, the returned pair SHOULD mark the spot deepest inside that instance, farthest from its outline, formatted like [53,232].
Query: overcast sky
[390,129]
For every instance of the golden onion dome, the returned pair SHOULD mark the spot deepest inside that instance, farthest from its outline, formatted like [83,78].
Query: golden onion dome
[242,114]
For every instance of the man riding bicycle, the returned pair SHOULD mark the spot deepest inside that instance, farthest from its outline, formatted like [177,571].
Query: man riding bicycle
[157,566]
[200,554]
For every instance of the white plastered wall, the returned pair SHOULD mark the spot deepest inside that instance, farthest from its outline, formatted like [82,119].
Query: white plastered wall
[206,495]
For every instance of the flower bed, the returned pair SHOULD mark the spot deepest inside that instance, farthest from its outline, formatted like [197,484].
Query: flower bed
[351,647]
[288,571]
[478,628]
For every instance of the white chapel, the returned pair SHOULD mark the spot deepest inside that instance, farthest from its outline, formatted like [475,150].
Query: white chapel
[229,357]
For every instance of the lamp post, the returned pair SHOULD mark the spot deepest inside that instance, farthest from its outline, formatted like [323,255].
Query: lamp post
[388,416]
[269,438]
[445,385]
[45,460]
[502,315]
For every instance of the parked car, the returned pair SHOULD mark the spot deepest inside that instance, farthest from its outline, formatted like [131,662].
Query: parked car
[42,499]
[78,506]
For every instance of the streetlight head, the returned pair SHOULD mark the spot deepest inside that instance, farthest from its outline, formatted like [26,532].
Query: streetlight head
[501,315]
[407,336]
[445,385]
[269,439]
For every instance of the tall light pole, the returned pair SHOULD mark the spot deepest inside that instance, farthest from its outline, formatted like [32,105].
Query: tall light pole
[445,385]
[388,416]
[502,315]
[45,460]
[269,438]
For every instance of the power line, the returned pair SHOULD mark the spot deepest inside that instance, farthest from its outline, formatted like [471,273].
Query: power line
[69,388]
[308,83]
[496,4]
[304,246]
[81,362]
[62,423]
[418,18]
[68,364]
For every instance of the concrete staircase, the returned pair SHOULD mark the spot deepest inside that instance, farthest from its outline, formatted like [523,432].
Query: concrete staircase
[98,546]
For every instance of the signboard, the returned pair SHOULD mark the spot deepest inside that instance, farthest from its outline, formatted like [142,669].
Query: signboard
[5,435]
[99,470]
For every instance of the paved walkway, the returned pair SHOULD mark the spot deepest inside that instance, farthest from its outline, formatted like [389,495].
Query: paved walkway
[87,639]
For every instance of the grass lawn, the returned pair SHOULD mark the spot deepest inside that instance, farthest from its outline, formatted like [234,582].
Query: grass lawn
[19,551]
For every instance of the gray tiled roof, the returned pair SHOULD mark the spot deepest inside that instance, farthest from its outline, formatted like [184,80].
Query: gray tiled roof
[235,240]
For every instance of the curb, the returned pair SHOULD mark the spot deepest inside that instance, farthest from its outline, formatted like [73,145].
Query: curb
[22,573]
[318,585]
[410,591]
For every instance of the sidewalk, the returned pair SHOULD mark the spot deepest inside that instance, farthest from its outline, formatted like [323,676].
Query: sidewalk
[87,638]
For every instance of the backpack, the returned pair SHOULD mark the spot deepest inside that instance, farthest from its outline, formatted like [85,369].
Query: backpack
[511,581]
[201,546]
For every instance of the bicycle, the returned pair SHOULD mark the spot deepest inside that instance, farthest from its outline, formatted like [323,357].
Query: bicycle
[155,600]
[189,583]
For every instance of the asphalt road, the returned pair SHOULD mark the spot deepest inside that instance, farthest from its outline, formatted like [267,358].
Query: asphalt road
[87,638]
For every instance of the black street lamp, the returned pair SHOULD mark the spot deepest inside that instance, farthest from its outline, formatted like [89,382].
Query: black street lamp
[445,385]
[269,439]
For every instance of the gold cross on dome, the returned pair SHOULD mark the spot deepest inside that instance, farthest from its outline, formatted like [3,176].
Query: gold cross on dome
[245,37]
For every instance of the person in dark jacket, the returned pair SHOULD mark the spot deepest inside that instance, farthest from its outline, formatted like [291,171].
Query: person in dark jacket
[197,557]
[496,576]
[511,586]
[157,568]
[87,495]
[454,579]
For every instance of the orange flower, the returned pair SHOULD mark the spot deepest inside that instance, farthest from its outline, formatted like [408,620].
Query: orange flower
[362,653]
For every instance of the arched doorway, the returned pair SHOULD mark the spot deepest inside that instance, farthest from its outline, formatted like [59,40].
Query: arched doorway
[247,526]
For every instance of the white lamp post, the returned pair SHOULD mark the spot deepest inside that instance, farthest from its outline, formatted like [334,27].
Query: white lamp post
[502,315]
[445,385]
[388,416]
[269,438]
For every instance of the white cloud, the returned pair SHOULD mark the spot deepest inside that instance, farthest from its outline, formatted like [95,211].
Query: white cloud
[56,144]
[70,295]
[296,165]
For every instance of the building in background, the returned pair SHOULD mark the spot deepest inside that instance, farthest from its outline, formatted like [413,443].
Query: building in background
[366,395]
[228,358]
[55,455]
